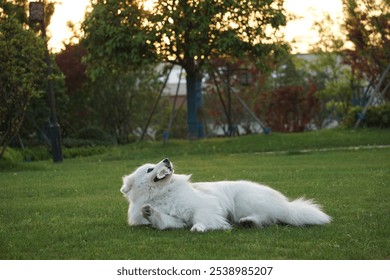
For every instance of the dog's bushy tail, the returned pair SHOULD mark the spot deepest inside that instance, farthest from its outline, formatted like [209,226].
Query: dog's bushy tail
[305,212]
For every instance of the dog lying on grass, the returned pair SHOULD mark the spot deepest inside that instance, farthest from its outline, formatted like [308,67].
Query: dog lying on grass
[166,200]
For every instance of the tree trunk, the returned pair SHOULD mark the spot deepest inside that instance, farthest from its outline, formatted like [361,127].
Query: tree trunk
[195,107]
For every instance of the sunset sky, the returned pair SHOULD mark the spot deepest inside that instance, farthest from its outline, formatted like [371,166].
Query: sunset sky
[299,32]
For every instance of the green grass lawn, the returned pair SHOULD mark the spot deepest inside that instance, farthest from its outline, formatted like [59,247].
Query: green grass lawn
[74,210]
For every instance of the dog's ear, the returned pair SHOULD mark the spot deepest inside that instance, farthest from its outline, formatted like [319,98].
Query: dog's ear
[127,184]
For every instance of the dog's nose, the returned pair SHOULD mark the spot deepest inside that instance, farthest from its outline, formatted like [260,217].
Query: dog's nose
[166,161]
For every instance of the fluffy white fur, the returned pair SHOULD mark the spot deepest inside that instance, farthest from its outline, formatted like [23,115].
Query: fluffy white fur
[166,200]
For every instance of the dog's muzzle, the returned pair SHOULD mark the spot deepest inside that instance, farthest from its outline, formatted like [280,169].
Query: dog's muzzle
[164,171]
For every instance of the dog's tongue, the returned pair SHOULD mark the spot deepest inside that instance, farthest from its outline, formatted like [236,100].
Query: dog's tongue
[164,171]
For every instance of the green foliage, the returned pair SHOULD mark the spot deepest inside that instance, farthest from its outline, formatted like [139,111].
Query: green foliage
[21,71]
[74,152]
[290,102]
[376,116]
[178,129]
[365,27]
[186,33]
[15,10]
[14,158]
[114,38]
[123,100]
[35,154]
[333,81]
[35,126]
[352,116]
[12,155]
[23,77]
[78,111]
[96,135]
[368,30]
[337,96]
[88,137]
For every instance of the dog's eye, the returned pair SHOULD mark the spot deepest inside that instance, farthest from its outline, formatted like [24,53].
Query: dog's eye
[149,170]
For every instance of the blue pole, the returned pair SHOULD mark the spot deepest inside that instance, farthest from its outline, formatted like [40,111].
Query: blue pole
[194,107]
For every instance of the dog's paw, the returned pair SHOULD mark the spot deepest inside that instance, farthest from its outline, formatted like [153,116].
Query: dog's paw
[246,222]
[227,226]
[146,210]
[198,228]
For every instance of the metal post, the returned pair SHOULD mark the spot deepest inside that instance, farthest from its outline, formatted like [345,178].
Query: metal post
[155,104]
[230,122]
[37,15]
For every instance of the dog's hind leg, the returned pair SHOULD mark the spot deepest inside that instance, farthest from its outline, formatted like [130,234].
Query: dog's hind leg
[160,220]
[254,221]
[209,221]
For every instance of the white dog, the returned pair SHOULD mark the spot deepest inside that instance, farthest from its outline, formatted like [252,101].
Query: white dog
[166,200]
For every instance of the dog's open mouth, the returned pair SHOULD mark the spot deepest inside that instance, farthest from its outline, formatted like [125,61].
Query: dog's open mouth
[162,173]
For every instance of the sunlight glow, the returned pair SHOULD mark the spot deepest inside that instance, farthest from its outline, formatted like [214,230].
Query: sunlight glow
[149,5]
[65,11]
[299,32]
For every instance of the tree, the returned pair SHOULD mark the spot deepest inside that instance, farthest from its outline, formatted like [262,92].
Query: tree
[184,32]
[346,61]
[292,108]
[284,100]
[367,24]
[36,115]
[69,60]
[234,79]
[333,82]
[118,98]
[21,72]
[16,9]
[333,78]
[290,102]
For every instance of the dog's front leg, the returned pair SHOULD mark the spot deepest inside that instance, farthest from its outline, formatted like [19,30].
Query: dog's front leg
[135,217]
[160,220]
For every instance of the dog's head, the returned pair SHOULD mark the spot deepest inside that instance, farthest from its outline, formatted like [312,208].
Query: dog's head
[148,176]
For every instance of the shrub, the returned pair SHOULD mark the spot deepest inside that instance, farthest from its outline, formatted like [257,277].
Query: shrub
[292,108]
[95,136]
[376,116]
[351,117]
[12,155]
[75,143]
[10,158]
[36,153]
[83,151]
